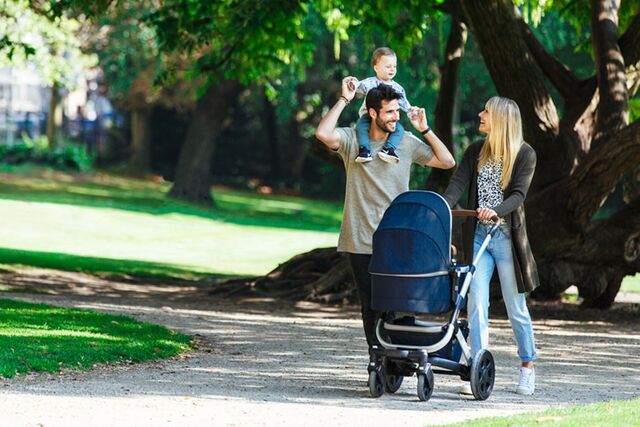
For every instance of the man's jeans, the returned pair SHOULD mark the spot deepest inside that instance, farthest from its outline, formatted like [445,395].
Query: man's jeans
[360,268]
[498,253]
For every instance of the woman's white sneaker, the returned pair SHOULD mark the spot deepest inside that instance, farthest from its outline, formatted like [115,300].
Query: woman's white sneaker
[465,389]
[527,383]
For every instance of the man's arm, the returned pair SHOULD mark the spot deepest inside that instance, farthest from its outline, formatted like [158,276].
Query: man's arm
[326,131]
[442,158]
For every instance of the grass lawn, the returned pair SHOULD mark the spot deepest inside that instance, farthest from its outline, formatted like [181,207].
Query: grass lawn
[36,337]
[615,413]
[121,225]
[631,284]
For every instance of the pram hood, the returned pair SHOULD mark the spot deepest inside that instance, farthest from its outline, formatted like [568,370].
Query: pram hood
[414,236]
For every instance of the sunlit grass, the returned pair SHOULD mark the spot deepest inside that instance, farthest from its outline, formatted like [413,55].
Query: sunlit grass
[631,284]
[108,191]
[614,414]
[128,226]
[41,338]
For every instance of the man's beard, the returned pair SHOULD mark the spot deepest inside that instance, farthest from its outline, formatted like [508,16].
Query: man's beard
[384,126]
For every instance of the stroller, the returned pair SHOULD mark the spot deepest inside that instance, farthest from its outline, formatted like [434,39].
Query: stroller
[412,273]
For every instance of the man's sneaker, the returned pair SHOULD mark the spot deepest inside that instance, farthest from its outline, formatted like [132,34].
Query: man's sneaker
[364,155]
[527,383]
[465,389]
[388,155]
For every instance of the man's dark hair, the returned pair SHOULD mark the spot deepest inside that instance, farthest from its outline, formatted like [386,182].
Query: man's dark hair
[378,94]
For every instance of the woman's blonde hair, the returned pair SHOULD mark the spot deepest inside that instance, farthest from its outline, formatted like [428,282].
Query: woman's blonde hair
[505,138]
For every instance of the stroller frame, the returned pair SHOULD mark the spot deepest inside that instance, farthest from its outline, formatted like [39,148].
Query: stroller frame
[390,363]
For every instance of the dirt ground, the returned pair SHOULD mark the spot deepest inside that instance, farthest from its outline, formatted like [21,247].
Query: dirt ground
[266,363]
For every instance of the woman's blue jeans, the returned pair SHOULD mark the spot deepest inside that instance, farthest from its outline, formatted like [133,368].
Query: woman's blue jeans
[498,253]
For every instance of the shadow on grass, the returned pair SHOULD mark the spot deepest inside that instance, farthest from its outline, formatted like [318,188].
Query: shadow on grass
[104,266]
[235,207]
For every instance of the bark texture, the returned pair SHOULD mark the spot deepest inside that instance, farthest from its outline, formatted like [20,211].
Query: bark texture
[54,118]
[210,118]
[140,160]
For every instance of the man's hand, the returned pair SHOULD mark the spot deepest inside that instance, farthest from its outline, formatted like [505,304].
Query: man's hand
[442,157]
[418,118]
[349,86]
[326,131]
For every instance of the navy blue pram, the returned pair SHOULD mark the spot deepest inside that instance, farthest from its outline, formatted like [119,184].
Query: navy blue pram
[413,273]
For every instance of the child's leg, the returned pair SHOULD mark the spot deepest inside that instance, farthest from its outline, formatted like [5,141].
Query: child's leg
[395,137]
[362,130]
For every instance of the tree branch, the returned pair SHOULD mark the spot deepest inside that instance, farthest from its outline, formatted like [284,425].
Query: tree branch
[564,209]
[612,114]
[603,167]
[559,74]
[578,123]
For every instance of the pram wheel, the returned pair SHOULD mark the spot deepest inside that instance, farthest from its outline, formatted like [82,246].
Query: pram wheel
[392,383]
[483,374]
[392,376]
[425,385]
[376,384]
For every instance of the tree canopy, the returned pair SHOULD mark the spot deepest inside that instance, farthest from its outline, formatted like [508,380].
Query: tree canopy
[52,45]
[572,66]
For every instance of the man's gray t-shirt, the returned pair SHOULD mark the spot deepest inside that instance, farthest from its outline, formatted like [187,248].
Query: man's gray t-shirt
[372,186]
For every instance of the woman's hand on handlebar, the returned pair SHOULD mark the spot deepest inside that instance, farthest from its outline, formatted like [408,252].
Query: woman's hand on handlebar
[486,214]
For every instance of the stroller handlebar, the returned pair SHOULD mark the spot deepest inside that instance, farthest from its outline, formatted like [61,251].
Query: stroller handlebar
[469,212]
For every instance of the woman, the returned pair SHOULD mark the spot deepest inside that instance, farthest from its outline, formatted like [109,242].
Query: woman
[498,172]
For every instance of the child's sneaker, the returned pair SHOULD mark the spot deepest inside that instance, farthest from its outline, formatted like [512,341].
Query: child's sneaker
[364,155]
[389,155]
[527,383]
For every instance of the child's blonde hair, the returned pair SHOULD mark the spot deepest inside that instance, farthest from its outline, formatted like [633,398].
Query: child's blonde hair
[505,138]
[380,52]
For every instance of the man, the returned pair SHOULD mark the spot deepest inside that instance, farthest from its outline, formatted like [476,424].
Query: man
[372,186]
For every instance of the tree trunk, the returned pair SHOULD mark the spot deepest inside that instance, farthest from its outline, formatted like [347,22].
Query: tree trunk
[299,123]
[297,145]
[296,153]
[210,118]
[596,272]
[140,161]
[54,119]
[439,178]
[270,124]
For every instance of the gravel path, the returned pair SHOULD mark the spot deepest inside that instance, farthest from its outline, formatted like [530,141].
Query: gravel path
[263,364]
